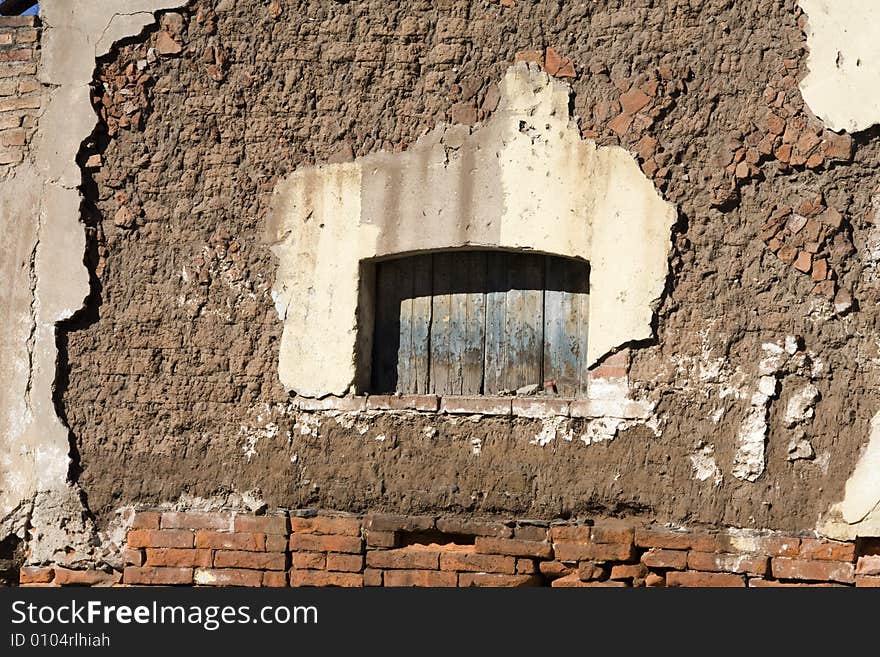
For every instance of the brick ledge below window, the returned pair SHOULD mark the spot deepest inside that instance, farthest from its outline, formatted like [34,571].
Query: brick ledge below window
[528,407]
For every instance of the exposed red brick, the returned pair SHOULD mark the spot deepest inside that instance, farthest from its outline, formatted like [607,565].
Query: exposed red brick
[228,541]
[868,564]
[661,538]
[431,578]
[654,580]
[628,571]
[620,124]
[695,579]
[372,577]
[513,547]
[568,581]
[275,542]
[468,561]
[470,527]
[526,566]
[228,577]
[530,533]
[803,262]
[324,578]
[534,407]
[570,533]
[529,56]
[35,575]
[775,125]
[634,100]
[403,558]
[476,405]
[587,570]
[255,560]
[593,551]
[759,582]
[349,563]
[189,520]
[867,581]
[425,403]
[835,571]
[146,520]
[838,147]
[557,65]
[771,545]
[389,522]
[20,55]
[611,532]
[325,543]
[731,563]
[133,556]
[261,524]
[183,557]
[309,560]
[275,579]
[553,569]
[660,558]
[814,548]
[170,538]
[157,576]
[345,526]
[497,580]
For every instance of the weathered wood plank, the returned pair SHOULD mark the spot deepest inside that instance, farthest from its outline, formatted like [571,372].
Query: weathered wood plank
[566,307]
[495,358]
[420,325]
[514,321]
[441,324]
[525,321]
[473,270]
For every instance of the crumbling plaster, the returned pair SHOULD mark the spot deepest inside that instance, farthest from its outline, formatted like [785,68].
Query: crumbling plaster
[524,180]
[45,281]
[843,84]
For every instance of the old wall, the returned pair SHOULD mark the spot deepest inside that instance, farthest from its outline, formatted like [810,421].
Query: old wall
[760,376]
[174,375]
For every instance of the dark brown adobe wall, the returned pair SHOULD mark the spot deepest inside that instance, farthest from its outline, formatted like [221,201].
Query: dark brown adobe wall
[176,360]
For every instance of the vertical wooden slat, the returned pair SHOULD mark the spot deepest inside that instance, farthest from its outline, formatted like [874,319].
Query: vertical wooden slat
[496,324]
[514,321]
[525,321]
[566,303]
[420,325]
[459,293]
[473,270]
[441,325]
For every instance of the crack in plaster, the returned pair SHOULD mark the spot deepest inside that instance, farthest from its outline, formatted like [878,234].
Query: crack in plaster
[74,36]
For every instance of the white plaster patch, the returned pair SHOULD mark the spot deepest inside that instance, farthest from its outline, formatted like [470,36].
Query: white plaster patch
[800,406]
[858,514]
[705,467]
[843,84]
[524,180]
[748,462]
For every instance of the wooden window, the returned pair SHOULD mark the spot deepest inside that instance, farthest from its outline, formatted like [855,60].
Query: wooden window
[480,322]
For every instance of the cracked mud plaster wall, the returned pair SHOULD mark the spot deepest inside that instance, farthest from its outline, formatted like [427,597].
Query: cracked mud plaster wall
[42,263]
[843,89]
[172,390]
[525,180]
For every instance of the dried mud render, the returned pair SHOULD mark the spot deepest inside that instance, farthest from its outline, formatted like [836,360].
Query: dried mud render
[173,388]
